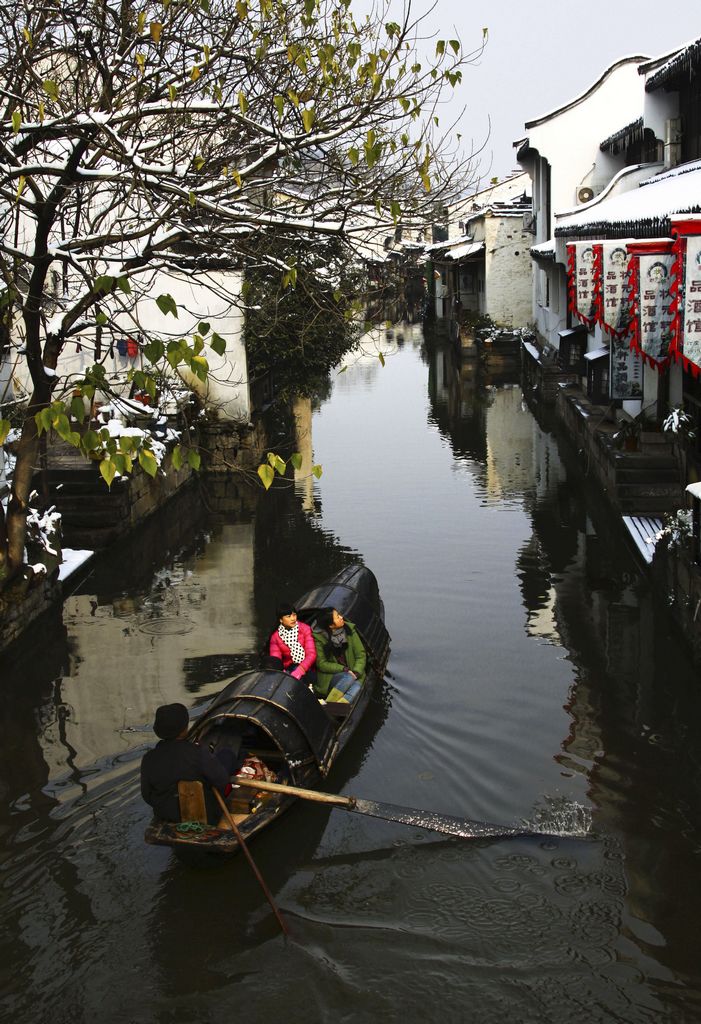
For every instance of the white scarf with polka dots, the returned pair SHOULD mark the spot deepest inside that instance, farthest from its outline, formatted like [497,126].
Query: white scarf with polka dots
[290,637]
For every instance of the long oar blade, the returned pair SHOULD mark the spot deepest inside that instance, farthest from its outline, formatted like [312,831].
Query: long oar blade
[390,812]
[462,827]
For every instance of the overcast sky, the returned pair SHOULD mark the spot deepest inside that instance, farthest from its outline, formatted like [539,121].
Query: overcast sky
[541,55]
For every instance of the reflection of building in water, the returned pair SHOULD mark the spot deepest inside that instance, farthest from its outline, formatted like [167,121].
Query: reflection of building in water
[510,443]
[458,404]
[129,652]
[633,708]
[304,481]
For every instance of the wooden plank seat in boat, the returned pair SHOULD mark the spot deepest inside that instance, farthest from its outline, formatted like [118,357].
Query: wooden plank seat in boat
[193,807]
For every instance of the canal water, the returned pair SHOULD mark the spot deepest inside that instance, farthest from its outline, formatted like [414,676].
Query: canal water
[533,679]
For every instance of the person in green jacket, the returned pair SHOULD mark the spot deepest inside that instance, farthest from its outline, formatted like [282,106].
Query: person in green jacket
[340,657]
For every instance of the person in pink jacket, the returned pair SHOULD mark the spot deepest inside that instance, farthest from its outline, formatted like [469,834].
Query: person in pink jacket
[292,642]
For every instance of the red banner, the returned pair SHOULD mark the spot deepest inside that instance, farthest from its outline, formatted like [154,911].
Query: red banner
[686,291]
[614,299]
[652,310]
[583,282]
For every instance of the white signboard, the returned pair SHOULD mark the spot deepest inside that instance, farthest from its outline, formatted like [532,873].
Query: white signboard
[614,287]
[692,301]
[654,312]
[585,294]
[626,369]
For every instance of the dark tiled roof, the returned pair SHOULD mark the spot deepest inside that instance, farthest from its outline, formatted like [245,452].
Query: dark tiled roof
[687,61]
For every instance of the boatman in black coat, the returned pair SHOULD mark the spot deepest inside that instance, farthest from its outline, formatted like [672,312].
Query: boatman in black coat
[175,758]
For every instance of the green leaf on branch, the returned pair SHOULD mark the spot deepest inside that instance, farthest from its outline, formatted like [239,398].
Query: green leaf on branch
[194,459]
[176,457]
[107,471]
[91,441]
[218,344]
[44,419]
[167,304]
[296,460]
[78,409]
[16,121]
[147,461]
[308,119]
[200,367]
[123,285]
[104,283]
[381,357]
[317,471]
[50,88]
[4,430]
[153,350]
[267,475]
[277,463]
[440,48]
[203,327]
[279,102]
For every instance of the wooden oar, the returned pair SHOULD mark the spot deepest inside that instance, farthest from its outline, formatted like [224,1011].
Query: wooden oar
[256,872]
[462,827]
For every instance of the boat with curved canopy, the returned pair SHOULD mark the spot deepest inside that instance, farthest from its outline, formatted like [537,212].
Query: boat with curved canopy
[279,721]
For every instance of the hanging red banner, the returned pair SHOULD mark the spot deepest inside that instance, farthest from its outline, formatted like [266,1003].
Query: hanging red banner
[686,291]
[614,304]
[582,281]
[652,312]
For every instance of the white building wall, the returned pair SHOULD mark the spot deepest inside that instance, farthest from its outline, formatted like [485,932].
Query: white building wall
[569,138]
[507,271]
[211,297]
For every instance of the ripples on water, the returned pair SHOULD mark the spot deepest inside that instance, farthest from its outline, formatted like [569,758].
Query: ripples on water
[533,681]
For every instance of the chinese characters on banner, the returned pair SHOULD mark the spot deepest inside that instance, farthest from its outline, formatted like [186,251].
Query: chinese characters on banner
[691,308]
[652,305]
[614,288]
[687,229]
[626,370]
[582,283]
[626,366]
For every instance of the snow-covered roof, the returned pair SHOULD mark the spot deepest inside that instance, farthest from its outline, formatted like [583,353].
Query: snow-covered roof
[435,246]
[516,208]
[684,60]
[544,250]
[694,490]
[644,211]
[624,136]
[597,353]
[459,252]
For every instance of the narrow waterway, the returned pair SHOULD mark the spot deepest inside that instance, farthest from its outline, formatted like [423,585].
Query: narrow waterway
[532,678]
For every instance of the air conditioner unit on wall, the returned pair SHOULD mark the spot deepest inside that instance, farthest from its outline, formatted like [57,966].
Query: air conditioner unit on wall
[585,194]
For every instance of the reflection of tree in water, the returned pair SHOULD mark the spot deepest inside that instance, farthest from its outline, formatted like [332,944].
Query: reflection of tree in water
[292,553]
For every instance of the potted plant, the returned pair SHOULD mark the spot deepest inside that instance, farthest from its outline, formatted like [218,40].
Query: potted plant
[628,434]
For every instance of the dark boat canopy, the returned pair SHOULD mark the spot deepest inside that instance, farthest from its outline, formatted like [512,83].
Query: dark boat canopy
[283,708]
[355,594]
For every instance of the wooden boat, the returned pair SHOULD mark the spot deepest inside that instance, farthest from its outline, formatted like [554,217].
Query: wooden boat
[276,718]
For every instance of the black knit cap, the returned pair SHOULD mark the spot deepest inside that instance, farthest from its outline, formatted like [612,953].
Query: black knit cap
[170,721]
